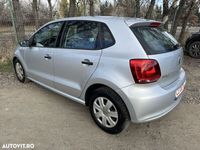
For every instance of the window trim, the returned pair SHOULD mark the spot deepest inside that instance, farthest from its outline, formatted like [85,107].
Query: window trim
[59,33]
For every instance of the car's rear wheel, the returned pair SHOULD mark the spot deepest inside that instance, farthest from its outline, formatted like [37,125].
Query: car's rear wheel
[19,71]
[194,49]
[108,110]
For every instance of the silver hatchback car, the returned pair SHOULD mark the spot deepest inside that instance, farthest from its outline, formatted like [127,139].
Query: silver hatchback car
[122,68]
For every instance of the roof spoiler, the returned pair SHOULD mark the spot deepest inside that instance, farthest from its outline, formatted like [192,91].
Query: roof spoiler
[150,24]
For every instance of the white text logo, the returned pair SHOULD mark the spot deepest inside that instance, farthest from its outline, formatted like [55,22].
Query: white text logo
[18,146]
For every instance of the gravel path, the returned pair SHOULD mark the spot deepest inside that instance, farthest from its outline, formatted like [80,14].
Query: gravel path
[192,68]
[32,114]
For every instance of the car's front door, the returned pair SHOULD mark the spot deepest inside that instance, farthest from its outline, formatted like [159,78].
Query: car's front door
[77,57]
[39,56]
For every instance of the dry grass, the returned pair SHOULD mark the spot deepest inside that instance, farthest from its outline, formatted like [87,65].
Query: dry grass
[6,53]
[7,46]
[6,67]
[7,29]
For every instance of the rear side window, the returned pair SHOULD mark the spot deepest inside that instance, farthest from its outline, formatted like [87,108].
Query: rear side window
[107,39]
[155,40]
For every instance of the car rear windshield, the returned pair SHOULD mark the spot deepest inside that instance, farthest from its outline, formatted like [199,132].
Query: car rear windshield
[155,40]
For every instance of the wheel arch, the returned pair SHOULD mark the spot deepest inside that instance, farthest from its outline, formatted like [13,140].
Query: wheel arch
[14,59]
[95,86]
[17,56]
[90,89]
[22,63]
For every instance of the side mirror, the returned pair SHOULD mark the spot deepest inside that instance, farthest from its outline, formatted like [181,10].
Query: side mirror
[24,43]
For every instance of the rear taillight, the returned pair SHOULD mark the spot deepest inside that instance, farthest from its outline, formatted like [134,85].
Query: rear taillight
[145,70]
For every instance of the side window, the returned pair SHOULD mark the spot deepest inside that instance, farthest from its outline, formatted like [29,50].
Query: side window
[81,35]
[46,37]
[107,38]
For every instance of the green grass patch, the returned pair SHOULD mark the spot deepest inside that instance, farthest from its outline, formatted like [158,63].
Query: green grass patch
[6,67]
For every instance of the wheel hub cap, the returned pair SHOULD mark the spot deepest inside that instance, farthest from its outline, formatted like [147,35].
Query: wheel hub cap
[105,112]
[195,49]
[19,71]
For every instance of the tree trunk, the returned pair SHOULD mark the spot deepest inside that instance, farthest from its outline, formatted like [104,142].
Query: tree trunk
[177,17]
[2,3]
[137,8]
[185,21]
[64,8]
[50,10]
[165,13]
[35,13]
[19,23]
[91,8]
[72,8]
[150,10]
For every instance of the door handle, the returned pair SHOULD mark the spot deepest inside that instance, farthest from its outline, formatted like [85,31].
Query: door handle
[87,62]
[47,56]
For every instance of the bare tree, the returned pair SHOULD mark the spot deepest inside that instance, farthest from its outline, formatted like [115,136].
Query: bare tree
[4,15]
[177,17]
[137,8]
[19,23]
[150,9]
[50,9]
[72,8]
[106,9]
[167,11]
[192,5]
[91,3]
[35,10]
[64,8]
[2,3]
[129,9]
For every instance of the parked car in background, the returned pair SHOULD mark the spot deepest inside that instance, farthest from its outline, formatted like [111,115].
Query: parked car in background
[192,45]
[122,68]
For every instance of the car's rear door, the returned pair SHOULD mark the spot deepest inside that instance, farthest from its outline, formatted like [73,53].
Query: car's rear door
[161,46]
[77,57]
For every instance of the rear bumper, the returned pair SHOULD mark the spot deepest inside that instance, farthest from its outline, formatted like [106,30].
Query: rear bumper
[147,103]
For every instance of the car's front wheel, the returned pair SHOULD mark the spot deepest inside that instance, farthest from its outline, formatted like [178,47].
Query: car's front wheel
[19,71]
[108,110]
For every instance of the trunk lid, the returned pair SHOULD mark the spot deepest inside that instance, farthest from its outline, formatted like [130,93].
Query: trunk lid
[161,46]
[170,65]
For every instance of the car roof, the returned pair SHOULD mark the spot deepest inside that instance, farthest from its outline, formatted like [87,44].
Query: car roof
[111,19]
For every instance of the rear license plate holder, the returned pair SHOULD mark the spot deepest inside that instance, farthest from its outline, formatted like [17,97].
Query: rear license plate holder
[180,90]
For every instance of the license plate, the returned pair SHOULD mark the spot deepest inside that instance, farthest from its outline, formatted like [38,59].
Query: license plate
[180,90]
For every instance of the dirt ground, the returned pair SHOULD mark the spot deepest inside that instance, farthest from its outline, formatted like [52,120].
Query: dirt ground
[32,114]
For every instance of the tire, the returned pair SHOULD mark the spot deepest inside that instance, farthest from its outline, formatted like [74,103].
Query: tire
[194,49]
[112,120]
[19,71]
